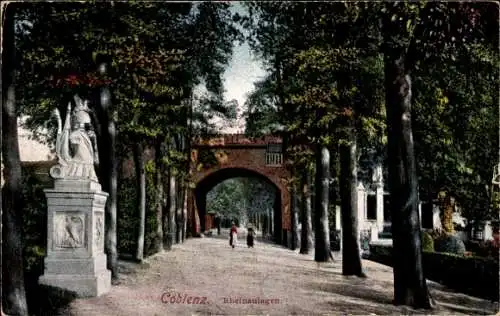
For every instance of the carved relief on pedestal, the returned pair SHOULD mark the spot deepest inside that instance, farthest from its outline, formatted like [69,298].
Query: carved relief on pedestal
[69,230]
[99,231]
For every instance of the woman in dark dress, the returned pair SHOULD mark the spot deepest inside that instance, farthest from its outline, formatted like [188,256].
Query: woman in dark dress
[250,236]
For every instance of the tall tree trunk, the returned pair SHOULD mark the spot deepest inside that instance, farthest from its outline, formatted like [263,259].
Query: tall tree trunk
[295,218]
[158,242]
[306,241]
[351,260]
[410,286]
[108,168]
[14,293]
[265,226]
[12,221]
[334,190]
[322,233]
[178,211]
[259,221]
[188,164]
[184,212]
[140,174]
[169,220]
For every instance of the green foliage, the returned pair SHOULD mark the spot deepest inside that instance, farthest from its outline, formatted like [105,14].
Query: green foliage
[487,249]
[326,70]
[456,131]
[227,199]
[35,222]
[237,198]
[453,61]
[260,196]
[128,218]
[449,244]
[151,221]
[471,275]
[261,113]
[427,242]
[323,78]
[207,158]
[158,55]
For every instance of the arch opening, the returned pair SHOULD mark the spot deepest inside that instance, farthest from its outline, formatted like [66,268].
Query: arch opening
[269,220]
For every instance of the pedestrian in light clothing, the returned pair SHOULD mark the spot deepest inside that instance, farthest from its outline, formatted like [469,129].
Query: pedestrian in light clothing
[233,235]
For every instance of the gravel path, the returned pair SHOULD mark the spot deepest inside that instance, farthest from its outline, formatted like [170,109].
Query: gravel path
[285,282]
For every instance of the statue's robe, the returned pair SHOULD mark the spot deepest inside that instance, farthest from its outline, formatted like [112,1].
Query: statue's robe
[82,163]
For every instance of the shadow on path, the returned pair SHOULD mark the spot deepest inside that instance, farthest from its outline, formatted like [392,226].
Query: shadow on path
[209,267]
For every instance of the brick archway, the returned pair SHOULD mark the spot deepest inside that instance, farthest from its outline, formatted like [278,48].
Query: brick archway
[235,155]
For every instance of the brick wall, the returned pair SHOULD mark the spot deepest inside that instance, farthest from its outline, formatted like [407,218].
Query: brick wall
[250,158]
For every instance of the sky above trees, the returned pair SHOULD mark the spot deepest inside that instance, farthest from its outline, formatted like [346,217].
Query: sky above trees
[241,74]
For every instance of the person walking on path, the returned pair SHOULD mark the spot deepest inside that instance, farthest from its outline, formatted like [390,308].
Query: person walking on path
[217,223]
[233,235]
[250,236]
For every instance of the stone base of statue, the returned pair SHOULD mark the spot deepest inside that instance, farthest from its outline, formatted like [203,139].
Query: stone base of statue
[75,258]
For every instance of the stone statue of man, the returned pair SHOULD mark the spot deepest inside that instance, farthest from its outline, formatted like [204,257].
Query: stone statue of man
[76,144]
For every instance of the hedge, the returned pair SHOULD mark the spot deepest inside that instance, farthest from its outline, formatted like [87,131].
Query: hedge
[475,276]
[128,217]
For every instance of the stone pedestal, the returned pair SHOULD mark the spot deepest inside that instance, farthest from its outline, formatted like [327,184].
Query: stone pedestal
[361,214]
[361,206]
[75,258]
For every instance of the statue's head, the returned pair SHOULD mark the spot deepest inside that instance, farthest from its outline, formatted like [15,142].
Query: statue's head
[81,115]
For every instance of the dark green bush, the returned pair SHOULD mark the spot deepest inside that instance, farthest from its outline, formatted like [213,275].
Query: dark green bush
[150,234]
[427,242]
[34,223]
[449,244]
[486,249]
[471,275]
[127,219]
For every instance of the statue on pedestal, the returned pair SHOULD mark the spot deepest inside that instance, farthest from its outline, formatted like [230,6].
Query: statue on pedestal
[75,259]
[76,146]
